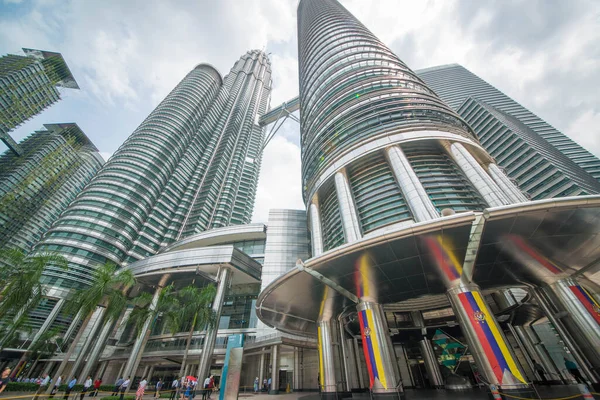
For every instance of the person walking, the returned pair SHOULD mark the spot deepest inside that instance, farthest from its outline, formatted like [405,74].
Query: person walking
[269,386]
[574,370]
[174,389]
[86,386]
[205,393]
[118,384]
[70,387]
[265,387]
[97,384]
[256,382]
[56,386]
[158,388]
[124,386]
[541,372]
[139,395]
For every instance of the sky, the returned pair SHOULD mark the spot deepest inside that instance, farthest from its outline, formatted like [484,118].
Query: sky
[127,55]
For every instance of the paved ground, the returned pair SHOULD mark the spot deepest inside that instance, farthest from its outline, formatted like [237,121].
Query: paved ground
[553,392]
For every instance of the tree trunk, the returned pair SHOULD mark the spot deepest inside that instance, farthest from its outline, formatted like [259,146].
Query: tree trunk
[65,361]
[187,346]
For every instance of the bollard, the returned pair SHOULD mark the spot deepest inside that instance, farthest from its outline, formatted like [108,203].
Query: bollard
[495,393]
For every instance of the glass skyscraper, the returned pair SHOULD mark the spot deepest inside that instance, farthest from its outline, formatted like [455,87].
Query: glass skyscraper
[542,160]
[29,84]
[38,185]
[191,165]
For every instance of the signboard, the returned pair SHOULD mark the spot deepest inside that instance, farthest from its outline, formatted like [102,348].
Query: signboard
[230,383]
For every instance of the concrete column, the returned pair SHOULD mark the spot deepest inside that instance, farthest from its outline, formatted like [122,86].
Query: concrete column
[73,327]
[316,233]
[327,371]
[92,359]
[102,369]
[48,367]
[348,360]
[87,343]
[208,348]
[274,370]
[413,191]
[142,339]
[578,356]
[384,377]
[261,367]
[145,373]
[583,315]
[48,322]
[120,374]
[296,383]
[485,338]
[348,211]
[511,191]
[150,372]
[478,177]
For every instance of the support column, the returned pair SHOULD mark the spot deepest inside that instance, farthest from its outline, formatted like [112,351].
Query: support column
[48,367]
[274,389]
[429,358]
[413,191]
[478,177]
[362,382]
[431,364]
[261,368]
[576,353]
[384,377]
[48,322]
[102,369]
[534,354]
[224,277]
[486,340]
[145,373]
[511,191]
[327,370]
[120,374]
[297,373]
[583,314]
[348,360]
[87,342]
[142,339]
[348,213]
[92,359]
[527,352]
[316,233]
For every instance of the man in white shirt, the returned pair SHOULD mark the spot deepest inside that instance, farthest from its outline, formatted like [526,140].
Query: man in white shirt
[124,387]
[86,386]
[174,388]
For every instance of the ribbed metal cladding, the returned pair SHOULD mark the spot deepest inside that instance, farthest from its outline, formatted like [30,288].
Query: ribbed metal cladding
[354,89]
[455,84]
[331,220]
[376,193]
[37,186]
[443,181]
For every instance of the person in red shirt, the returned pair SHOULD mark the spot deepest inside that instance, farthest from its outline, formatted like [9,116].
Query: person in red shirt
[97,384]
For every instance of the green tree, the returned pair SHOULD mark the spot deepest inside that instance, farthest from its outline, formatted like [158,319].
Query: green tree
[167,307]
[196,307]
[107,290]
[22,289]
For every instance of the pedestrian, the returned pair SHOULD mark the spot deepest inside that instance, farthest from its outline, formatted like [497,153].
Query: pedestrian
[269,385]
[86,386]
[205,388]
[56,386]
[118,384]
[256,381]
[174,389]
[139,395]
[70,387]
[4,379]
[46,380]
[265,385]
[158,388]
[183,388]
[124,386]
[187,394]
[541,372]
[97,384]
[574,370]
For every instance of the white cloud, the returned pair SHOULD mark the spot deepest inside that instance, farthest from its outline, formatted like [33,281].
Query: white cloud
[280,184]
[586,129]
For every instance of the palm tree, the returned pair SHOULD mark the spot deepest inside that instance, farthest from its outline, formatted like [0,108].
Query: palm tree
[195,306]
[167,306]
[22,289]
[107,290]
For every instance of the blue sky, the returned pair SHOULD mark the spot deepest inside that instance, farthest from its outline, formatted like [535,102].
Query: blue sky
[127,54]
